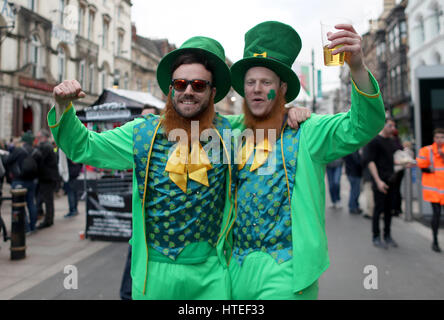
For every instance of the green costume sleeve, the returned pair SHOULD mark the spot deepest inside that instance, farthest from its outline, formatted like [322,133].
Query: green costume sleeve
[109,150]
[333,136]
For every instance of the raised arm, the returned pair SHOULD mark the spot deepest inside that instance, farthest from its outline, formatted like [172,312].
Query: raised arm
[111,149]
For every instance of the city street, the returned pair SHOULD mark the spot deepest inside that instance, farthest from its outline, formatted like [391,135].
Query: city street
[411,271]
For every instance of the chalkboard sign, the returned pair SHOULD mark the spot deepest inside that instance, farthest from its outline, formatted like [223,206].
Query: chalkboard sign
[108,216]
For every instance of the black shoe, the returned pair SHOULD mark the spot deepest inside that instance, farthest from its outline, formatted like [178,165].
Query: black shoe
[436,248]
[71,214]
[379,244]
[390,242]
[355,211]
[43,225]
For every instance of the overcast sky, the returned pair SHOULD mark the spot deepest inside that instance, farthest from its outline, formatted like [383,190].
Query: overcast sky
[228,20]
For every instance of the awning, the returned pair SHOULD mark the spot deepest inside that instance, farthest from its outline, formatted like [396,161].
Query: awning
[118,105]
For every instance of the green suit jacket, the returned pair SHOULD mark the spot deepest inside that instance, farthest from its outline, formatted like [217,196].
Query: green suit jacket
[114,150]
[324,138]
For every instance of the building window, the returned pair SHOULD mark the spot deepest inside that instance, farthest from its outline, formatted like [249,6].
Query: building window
[403,30]
[116,82]
[436,26]
[391,39]
[91,78]
[91,25]
[32,4]
[120,39]
[421,30]
[62,5]
[105,35]
[81,20]
[61,58]
[380,51]
[119,12]
[104,79]
[82,73]
[35,56]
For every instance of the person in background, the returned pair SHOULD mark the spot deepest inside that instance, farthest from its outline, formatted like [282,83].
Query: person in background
[24,176]
[380,158]
[353,170]
[47,177]
[431,161]
[74,170]
[334,172]
[147,109]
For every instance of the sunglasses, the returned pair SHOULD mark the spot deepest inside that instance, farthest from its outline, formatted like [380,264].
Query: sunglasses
[197,84]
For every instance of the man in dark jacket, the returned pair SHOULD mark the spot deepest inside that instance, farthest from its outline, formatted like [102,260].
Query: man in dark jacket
[48,176]
[18,176]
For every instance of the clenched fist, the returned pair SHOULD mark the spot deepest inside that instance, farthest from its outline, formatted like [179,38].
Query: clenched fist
[66,92]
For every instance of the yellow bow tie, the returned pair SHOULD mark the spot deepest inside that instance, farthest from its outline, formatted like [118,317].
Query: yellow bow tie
[263,149]
[196,164]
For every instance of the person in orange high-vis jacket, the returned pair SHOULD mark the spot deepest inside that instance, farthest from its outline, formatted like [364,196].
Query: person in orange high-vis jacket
[431,162]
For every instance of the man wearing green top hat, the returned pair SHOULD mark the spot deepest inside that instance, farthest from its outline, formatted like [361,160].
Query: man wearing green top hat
[181,200]
[278,230]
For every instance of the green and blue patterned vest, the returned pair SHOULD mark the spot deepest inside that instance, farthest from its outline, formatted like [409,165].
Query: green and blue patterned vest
[175,219]
[263,220]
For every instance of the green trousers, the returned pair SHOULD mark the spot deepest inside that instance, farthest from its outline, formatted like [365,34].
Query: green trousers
[261,278]
[172,281]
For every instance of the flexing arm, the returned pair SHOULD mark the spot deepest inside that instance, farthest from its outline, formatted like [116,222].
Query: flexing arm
[111,149]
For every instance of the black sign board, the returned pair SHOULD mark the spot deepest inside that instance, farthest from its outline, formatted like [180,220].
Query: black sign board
[108,216]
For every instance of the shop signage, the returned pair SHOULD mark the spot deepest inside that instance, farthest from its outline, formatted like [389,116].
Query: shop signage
[36,84]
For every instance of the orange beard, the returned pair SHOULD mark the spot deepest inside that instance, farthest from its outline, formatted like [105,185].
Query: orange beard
[272,121]
[173,120]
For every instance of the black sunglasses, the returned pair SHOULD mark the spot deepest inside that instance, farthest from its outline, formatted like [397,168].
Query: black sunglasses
[197,84]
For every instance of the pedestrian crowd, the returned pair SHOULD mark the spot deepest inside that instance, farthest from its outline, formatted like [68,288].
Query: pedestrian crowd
[33,162]
[377,170]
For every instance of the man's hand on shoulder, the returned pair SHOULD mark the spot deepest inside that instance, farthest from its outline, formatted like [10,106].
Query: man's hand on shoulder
[297,115]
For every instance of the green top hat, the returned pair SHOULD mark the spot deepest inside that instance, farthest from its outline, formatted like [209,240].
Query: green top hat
[212,51]
[272,45]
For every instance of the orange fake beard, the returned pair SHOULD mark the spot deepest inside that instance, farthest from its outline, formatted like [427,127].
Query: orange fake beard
[173,120]
[272,121]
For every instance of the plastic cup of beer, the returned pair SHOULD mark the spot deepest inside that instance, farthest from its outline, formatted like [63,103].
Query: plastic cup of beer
[328,27]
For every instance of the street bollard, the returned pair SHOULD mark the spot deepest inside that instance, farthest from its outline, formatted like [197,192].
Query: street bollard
[18,235]
[408,195]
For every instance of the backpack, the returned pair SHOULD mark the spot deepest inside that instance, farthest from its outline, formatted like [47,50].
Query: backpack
[29,169]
